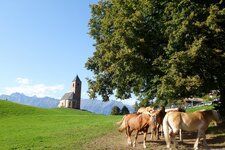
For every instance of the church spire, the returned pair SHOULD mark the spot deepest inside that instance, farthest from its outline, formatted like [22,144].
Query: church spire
[76,79]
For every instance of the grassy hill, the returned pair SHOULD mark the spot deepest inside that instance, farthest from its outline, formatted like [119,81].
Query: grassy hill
[31,128]
[25,127]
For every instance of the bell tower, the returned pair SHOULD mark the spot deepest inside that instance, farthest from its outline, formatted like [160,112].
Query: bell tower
[76,85]
[73,98]
[76,90]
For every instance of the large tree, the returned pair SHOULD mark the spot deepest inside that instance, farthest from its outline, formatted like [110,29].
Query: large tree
[168,49]
[196,49]
[128,40]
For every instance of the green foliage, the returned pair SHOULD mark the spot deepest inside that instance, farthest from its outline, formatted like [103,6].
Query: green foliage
[168,49]
[124,110]
[127,35]
[145,103]
[24,127]
[115,110]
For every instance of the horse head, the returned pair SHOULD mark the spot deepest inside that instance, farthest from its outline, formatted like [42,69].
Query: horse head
[153,121]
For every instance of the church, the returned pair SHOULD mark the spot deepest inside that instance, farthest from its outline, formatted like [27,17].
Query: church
[73,98]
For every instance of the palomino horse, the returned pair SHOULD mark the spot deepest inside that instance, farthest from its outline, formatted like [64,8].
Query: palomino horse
[145,110]
[195,121]
[177,110]
[160,114]
[138,122]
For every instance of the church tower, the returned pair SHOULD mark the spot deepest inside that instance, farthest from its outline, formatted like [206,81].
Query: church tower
[73,98]
[76,89]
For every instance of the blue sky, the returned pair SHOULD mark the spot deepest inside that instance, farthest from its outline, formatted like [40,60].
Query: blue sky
[43,45]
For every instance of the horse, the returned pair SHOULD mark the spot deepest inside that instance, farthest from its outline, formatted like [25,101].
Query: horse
[159,119]
[195,121]
[138,122]
[145,110]
[177,110]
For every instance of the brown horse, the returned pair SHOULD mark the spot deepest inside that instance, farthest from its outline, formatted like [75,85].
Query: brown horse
[159,119]
[138,122]
[195,121]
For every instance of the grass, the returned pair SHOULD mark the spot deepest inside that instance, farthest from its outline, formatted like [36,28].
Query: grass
[31,128]
[192,109]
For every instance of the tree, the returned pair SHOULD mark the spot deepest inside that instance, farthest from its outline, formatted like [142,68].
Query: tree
[115,110]
[167,49]
[124,110]
[144,103]
[195,49]
[127,43]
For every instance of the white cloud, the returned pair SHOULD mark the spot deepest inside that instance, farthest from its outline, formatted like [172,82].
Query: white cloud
[22,80]
[40,90]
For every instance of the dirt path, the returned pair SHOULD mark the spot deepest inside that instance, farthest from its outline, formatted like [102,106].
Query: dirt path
[117,141]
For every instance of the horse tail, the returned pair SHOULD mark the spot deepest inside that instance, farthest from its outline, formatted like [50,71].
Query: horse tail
[166,130]
[122,124]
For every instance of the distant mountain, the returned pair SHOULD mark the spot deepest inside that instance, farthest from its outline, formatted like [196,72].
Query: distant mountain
[44,102]
[95,106]
[101,107]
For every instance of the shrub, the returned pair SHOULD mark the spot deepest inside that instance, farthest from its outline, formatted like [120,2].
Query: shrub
[115,110]
[124,110]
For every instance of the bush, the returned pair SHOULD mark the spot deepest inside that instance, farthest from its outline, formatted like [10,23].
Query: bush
[115,110]
[124,110]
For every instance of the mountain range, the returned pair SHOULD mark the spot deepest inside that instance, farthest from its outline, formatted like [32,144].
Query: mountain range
[95,106]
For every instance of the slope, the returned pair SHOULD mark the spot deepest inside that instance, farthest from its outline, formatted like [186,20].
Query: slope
[25,127]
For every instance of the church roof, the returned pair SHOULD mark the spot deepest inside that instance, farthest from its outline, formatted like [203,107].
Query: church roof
[68,96]
[76,79]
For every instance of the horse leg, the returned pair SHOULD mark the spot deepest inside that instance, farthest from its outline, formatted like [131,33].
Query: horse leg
[144,139]
[153,132]
[204,141]
[174,131]
[161,131]
[135,139]
[181,138]
[127,132]
[173,135]
[129,136]
[197,140]
[157,132]
[166,131]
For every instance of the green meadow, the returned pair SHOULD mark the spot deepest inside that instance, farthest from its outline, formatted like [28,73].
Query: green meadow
[31,128]
[192,109]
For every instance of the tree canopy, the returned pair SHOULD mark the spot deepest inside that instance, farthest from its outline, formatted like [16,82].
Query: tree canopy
[167,49]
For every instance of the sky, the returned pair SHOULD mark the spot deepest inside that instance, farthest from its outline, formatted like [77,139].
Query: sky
[44,44]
